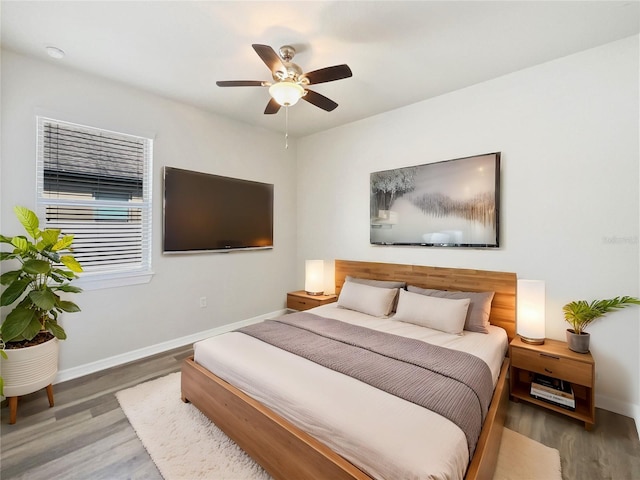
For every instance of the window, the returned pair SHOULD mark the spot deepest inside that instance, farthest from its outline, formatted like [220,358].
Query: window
[96,185]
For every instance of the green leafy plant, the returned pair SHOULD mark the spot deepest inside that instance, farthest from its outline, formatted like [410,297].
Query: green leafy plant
[35,287]
[580,313]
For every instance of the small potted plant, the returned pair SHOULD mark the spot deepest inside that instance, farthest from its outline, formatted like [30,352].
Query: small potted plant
[29,334]
[580,313]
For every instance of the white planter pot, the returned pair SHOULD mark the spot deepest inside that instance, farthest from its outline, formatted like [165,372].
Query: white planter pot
[29,369]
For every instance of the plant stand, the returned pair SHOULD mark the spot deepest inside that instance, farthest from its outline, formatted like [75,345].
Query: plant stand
[13,404]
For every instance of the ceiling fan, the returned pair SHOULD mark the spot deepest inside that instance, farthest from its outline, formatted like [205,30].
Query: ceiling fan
[290,82]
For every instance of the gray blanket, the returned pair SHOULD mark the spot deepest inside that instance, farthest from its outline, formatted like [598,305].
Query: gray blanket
[454,384]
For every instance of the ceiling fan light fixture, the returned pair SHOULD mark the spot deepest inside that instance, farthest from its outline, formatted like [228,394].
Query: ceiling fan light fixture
[286,93]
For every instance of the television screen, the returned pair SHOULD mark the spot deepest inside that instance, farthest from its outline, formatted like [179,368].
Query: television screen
[205,212]
[454,203]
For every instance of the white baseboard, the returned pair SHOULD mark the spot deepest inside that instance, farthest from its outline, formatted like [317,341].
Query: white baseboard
[93,367]
[636,416]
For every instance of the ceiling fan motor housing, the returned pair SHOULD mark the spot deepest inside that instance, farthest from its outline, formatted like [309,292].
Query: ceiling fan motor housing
[287,52]
[288,70]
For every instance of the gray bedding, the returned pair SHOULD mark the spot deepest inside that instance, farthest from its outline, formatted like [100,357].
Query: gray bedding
[454,384]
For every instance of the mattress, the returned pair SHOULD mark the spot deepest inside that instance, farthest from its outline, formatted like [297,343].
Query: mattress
[385,436]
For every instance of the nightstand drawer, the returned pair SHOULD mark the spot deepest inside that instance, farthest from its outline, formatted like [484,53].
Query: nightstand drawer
[297,303]
[301,300]
[553,366]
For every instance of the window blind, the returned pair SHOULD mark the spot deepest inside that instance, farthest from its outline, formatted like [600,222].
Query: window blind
[96,185]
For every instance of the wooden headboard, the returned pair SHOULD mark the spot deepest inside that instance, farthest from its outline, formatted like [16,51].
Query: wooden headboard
[503,307]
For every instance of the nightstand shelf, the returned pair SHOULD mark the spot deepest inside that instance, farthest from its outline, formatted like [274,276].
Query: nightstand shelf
[301,300]
[582,411]
[554,359]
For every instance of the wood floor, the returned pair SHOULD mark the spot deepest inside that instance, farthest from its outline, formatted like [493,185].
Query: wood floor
[86,435]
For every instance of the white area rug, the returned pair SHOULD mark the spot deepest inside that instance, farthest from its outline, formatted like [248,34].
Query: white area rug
[185,445]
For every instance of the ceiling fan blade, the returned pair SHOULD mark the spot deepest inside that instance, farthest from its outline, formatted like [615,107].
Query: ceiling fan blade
[272,107]
[328,74]
[319,100]
[268,56]
[241,83]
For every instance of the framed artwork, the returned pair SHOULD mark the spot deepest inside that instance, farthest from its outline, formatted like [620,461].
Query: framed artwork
[454,203]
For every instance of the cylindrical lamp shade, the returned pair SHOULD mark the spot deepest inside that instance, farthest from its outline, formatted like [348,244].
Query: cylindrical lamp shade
[314,277]
[531,311]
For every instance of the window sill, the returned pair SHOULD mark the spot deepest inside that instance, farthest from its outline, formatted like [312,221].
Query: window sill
[97,281]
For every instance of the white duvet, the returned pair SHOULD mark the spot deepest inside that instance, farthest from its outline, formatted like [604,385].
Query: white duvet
[385,436]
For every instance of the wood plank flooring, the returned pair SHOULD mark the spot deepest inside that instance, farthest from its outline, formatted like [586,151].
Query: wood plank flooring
[611,451]
[86,435]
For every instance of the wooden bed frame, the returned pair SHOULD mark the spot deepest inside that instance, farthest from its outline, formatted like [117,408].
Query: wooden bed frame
[285,451]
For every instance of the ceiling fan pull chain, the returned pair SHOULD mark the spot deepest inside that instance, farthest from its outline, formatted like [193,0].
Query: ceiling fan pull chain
[286,127]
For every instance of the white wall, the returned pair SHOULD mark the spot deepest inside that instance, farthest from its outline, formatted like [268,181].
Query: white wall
[568,133]
[567,130]
[238,286]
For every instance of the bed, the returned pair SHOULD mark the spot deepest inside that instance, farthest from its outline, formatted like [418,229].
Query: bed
[273,427]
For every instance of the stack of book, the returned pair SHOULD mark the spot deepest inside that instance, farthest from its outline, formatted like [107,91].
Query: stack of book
[553,390]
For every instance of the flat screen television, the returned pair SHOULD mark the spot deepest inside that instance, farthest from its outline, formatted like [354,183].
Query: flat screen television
[211,213]
[453,203]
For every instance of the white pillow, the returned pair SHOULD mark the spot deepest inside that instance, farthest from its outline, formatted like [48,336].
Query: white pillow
[367,299]
[379,284]
[442,314]
[479,308]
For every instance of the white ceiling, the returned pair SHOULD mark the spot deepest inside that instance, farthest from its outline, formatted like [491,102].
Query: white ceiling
[400,52]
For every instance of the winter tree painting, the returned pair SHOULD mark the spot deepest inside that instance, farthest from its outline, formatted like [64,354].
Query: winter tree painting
[450,203]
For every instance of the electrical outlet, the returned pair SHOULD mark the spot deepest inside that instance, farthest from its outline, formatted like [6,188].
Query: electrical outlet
[203,302]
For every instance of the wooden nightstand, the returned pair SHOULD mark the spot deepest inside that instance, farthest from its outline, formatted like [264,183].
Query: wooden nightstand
[554,359]
[301,300]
